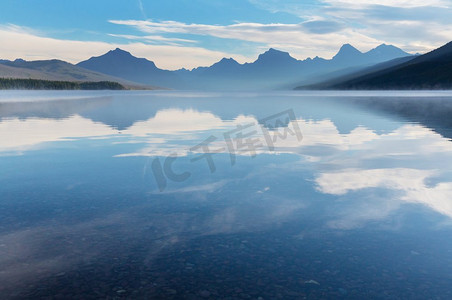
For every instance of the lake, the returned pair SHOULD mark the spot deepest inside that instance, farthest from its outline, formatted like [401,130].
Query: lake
[196,195]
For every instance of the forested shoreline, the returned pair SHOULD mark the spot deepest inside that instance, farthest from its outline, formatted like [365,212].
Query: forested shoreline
[38,84]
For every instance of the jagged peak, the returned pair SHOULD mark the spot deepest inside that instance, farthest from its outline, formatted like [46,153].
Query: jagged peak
[119,51]
[273,53]
[347,51]
[348,48]
[225,63]
[228,60]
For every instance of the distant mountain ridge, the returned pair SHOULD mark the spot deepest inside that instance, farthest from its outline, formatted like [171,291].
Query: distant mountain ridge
[120,63]
[429,71]
[379,54]
[272,69]
[54,70]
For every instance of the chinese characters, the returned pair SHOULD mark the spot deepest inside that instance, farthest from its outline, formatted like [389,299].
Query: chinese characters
[244,139]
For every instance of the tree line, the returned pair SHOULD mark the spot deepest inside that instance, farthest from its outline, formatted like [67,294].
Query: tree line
[39,84]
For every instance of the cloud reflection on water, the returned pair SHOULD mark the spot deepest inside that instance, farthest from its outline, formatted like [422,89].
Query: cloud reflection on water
[333,179]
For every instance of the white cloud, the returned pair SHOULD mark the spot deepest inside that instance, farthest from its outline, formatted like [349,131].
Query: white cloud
[414,26]
[19,41]
[179,126]
[340,183]
[175,121]
[319,35]
[410,182]
[298,39]
[154,39]
[20,135]
[400,150]
[414,30]
[175,131]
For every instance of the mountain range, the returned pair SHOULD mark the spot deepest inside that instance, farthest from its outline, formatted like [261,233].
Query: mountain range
[429,71]
[384,67]
[272,69]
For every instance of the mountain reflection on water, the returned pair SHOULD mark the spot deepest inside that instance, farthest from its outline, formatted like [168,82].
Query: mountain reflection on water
[358,207]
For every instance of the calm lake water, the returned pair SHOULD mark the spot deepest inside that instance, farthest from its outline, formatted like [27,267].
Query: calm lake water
[182,195]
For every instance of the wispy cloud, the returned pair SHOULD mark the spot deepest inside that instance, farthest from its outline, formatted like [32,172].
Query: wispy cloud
[166,56]
[311,38]
[157,39]
[416,26]
[140,6]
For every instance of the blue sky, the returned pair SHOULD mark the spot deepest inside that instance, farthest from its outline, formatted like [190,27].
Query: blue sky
[182,33]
